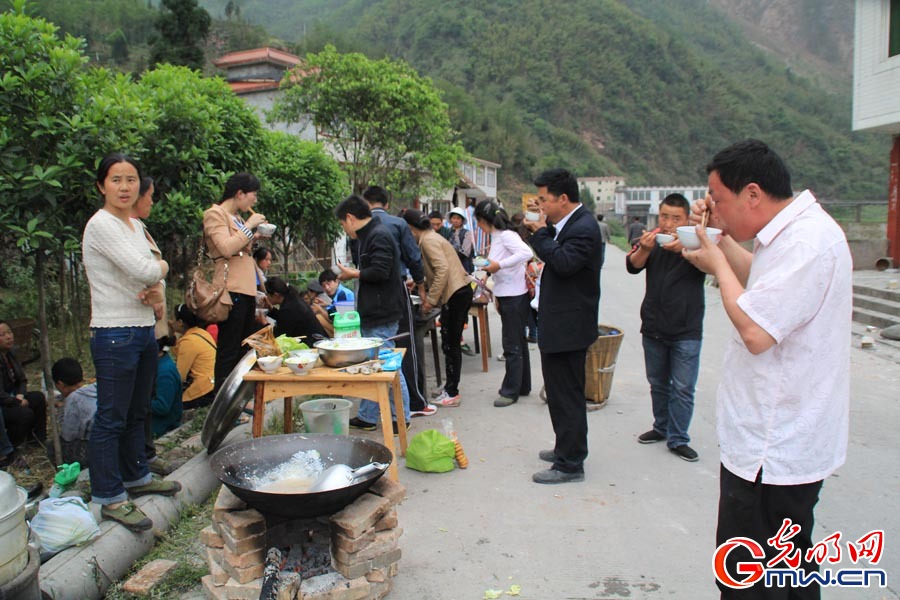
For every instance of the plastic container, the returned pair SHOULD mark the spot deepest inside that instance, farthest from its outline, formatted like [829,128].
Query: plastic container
[346,324]
[326,415]
[25,585]
[344,306]
[13,529]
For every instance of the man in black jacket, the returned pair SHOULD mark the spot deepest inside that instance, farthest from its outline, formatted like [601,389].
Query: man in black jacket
[379,300]
[410,260]
[672,328]
[567,239]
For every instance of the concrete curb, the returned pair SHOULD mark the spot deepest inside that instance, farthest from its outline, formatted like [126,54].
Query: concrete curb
[86,572]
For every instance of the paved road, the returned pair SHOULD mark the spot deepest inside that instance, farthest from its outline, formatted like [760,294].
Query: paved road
[642,525]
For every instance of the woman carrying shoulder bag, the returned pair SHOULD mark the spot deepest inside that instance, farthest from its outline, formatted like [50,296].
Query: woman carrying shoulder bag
[228,239]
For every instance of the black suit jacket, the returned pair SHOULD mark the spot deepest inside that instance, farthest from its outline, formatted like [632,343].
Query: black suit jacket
[570,283]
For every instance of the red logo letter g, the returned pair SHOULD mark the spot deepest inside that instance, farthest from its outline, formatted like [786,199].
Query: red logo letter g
[752,570]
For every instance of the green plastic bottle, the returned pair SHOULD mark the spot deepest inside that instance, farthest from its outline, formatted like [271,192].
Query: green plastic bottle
[346,324]
[66,475]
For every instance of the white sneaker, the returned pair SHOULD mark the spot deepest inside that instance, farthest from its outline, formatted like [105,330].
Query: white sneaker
[446,399]
[429,410]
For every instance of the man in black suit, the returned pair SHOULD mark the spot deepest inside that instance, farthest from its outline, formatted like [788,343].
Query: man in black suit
[567,239]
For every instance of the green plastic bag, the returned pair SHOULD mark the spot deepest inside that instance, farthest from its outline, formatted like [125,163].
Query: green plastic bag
[431,451]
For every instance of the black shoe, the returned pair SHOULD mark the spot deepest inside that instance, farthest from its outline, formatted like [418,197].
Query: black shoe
[553,476]
[357,423]
[397,431]
[685,452]
[651,437]
[547,455]
[465,349]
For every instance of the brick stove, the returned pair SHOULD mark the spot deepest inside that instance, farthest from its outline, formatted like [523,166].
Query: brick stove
[350,555]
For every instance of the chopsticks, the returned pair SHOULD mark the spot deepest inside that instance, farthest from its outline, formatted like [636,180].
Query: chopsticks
[706,212]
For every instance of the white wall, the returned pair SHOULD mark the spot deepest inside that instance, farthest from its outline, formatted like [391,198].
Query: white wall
[876,77]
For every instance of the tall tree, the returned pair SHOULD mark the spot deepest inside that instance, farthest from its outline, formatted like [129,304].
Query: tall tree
[183,27]
[384,122]
[301,186]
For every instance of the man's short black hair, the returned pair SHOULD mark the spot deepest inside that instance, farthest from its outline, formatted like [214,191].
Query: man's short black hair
[353,205]
[376,195]
[559,182]
[678,201]
[436,214]
[327,275]
[68,371]
[752,161]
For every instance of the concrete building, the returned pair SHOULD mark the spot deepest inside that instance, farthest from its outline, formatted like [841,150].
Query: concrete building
[643,202]
[255,75]
[876,87]
[603,190]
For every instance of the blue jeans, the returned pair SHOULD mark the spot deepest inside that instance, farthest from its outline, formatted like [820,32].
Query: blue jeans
[672,369]
[369,411]
[125,364]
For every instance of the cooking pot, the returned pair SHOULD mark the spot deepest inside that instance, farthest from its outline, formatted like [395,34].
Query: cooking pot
[228,404]
[239,464]
[343,352]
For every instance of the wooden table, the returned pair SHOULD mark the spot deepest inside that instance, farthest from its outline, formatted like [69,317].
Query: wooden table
[325,380]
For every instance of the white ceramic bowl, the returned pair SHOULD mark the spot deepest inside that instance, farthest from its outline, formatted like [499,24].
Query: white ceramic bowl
[302,362]
[532,215]
[266,229]
[480,261]
[269,364]
[689,239]
[664,238]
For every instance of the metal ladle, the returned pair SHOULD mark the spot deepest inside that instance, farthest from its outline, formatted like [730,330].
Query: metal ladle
[339,476]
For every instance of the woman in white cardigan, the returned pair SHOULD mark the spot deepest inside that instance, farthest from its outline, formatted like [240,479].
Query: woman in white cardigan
[122,273]
[229,238]
[506,263]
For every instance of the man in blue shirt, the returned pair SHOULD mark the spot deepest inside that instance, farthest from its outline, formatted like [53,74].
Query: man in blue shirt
[411,261]
[335,289]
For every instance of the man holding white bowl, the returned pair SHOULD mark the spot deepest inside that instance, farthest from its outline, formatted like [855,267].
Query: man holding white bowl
[783,401]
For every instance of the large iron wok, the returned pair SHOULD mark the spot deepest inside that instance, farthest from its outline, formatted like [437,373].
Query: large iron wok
[237,463]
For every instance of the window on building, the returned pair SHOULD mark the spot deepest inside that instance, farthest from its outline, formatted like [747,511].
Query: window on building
[470,172]
[491,178]
[894,31]
[479,175]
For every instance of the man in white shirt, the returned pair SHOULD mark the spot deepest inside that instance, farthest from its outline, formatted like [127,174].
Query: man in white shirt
[783,402]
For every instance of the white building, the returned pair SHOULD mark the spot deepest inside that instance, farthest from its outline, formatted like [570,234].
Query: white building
[477,181]
[255,75]
[644,201]
[603,190]
[876,90]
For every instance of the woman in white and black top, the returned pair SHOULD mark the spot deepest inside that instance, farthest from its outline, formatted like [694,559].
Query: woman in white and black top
[228,239]
[506,263]
[120,269]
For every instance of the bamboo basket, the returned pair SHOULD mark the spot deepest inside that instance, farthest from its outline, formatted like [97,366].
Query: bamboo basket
[600,364]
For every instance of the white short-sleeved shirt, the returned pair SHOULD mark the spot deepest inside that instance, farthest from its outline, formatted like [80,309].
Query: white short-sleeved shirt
[786,410]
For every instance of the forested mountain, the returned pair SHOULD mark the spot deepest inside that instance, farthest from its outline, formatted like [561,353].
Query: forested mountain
[645,88]
[648,89]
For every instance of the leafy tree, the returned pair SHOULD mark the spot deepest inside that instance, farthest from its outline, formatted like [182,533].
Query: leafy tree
[301,186]
[202,133]
[587,198]
[385,123]
[39,90]
[118,46]
[183,27]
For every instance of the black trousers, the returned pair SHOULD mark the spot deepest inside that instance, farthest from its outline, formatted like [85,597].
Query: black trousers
[454,315]
[756,510]
[241,323]
[514,312]
[23,421]
[564,384]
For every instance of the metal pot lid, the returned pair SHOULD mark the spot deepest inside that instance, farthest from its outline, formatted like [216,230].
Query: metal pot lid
[228,404]
[11,497]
